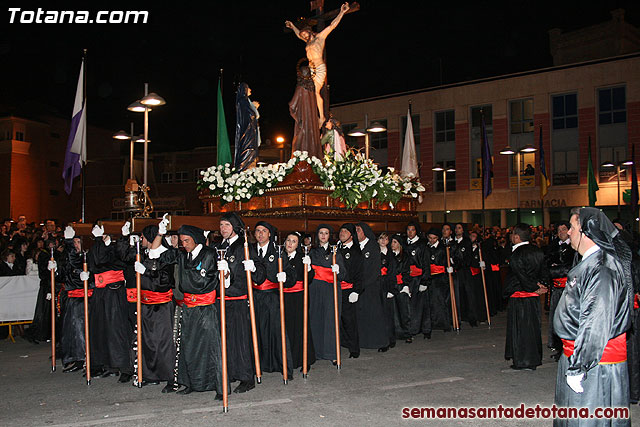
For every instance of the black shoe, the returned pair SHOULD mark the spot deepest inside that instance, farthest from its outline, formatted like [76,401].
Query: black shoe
[244,387]
[146,383]
[218,396]
[427,336]
[97,373]
[334,362]
[124,378]
[169,388]
[73,367]
[409,340]
[308,368]
[392,345]
[188,390]
[354,355]
[383,349]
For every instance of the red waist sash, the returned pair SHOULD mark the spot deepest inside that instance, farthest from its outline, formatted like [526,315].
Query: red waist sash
[195,300]
[346,285]
[323,273]
[474,271]
[437,269]
[383,271]
[636,302]
[149,297]
[614,352]
[414,271]
[298,287]
[132,295]
[495,267]
[108,277]
[78,293]
[560,283]
[399,280]
[522,294]
[226,298]
[266,285]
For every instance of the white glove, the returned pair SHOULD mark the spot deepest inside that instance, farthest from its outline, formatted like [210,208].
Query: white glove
[69,232]
[282,277]
[307,261]
[353,297]
[389,295]
[139,267]
[405,290]
[574,381]
[249,265]
[162,226]
[52,265]
[206,233]
[482,265]
[98,231]
[133,239]
[223,265]
[422,288]
[335,268]
[107,240]
[84,275]
[450,270]
[48,296]
[126,229]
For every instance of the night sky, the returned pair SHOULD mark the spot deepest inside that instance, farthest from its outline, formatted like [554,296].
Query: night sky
[385,47]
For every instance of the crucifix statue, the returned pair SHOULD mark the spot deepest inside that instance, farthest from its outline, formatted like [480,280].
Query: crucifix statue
[315,48]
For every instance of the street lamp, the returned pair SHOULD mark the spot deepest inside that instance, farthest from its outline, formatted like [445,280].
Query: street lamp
[374,128]
[617,166]
[440,168]
[508,151]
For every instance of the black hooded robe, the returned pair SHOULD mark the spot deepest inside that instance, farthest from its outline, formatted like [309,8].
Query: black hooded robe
[559,261]
[439,289]
[351,282]
[420,318]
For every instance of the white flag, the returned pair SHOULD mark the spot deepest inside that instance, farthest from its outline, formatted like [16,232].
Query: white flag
[79,145]
[409,157]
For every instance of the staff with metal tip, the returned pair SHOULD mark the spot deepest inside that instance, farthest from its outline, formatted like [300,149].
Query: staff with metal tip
[223,327]
[283,332]
[252,310]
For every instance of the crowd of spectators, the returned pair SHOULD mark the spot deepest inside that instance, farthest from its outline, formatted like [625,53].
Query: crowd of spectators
[22,243]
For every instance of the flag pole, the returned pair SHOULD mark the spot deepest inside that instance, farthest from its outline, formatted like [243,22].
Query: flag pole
[483,142]
[84,106]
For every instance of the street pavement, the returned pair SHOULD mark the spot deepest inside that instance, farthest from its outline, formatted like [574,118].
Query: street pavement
[465,369]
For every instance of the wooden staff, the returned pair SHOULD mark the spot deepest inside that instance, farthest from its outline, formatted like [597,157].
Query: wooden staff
[305,319]
[138,381]
[335,310]
[53,315]
[223,336]
[484,287]
[283,332]
[252,312]
[454,308]
[87,348]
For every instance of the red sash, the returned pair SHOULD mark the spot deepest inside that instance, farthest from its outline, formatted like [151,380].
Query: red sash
[149,297]
[560,283]
[132,295]
[108,277]
[614,352]
[523,294]
[323,273]
[266,285]
[437,269]
[415,271]
[399,280]
[195,300]
[226,298]
[298,287]
[78,293]
[383,271]
[495,267]
[636,302]
[346,285]
[474,271]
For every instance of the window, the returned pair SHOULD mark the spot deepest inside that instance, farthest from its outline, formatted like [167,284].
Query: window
[197,175]
[565,167]
[565,111]
[521,114]
[415,123]
[19,136]
[612,106]
[378,140]
[351,141]
[445,126]
[182,176]
[527,164]
[476,137]
[117,215]
[451,177]
[166,178]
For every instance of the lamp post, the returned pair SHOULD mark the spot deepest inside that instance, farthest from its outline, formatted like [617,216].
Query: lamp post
[508,151]
[617,166]
[374,128]
[440,168]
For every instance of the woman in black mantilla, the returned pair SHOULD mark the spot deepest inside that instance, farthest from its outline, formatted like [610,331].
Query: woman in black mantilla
[247,138]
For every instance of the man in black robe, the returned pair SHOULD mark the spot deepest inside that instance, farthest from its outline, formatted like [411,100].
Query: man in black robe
[592,318]
[351,287]
[439,290]
[525,283]
[559,261]
[469,306]
[372,331]
[416,287]
[200,358]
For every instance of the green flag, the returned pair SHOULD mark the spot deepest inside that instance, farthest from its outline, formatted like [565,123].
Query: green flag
[222,141]
[591,180]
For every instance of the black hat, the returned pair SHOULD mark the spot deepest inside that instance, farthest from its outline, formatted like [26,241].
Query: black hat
[150,232]
[435,232]
[273,232]
[368,232]
[327,226]
[350,228]
[234,219]
[195,232]
[398,237]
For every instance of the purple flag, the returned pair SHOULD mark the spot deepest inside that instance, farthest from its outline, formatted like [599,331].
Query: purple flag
[76,152]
